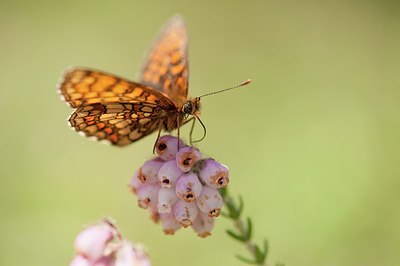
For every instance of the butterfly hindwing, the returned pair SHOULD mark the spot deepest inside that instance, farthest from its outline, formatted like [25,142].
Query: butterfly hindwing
[166,65]
[119,123]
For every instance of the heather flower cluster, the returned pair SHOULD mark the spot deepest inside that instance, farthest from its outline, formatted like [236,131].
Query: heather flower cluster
[102,245]
[180,188]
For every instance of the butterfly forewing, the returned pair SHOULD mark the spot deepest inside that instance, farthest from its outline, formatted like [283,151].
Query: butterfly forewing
[119,123]
[112,108]
[166,65]
[81,87]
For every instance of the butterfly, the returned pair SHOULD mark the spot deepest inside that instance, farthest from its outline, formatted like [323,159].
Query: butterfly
[120,111]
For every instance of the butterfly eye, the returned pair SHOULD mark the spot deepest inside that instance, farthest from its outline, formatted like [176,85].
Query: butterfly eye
[187,108]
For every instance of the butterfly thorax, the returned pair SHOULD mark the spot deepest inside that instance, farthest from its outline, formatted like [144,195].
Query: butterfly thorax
[176,118]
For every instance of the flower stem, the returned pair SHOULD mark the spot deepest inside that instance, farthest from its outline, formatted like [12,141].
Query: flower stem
[243,230]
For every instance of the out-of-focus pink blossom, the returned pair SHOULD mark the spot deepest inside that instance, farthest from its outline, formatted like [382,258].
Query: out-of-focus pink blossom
[102,245]
[105,261]
[79,260]
[129,255]
[92,241]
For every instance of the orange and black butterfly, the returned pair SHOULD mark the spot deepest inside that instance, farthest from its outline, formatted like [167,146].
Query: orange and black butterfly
[112,108]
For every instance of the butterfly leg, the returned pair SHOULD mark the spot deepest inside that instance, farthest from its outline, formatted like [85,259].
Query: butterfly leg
[179,132]
[204,129]
[191,130]
[158,136]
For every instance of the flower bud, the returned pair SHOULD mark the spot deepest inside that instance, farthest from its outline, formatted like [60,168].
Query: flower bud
[214,174]
[149,171]
[185,213]
[147,195]
[166,200]
[80,261]
[167,147]
[92,241]
[187,157]
[154,214]
[203,224]
[168,174]
[188,187]
[169,223]
[128,255]
[210,201]
[135,182]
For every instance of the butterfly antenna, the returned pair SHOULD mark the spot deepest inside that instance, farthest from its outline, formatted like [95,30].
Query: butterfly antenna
[248,81]
[204,129]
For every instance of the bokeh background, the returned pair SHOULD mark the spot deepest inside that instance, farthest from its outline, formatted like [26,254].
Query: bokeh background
[313,144]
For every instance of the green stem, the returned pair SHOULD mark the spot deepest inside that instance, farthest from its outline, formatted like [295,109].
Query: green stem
[243,232]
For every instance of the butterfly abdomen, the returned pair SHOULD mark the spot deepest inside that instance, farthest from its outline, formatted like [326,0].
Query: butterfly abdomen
[173,120]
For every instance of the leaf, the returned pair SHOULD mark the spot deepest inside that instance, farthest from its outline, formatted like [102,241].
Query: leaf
[240,208]
[249,229]
[249,261]
[235,236]
[266,247]
[259,255]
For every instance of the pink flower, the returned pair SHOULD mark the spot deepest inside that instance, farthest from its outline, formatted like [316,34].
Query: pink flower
[179,188]
[167,147]
[149,171]
[168,174]
[166,200]
[169,223]
[188,187]
[185,213]
[214,174]
[187,157]
[203,224]
[210,201]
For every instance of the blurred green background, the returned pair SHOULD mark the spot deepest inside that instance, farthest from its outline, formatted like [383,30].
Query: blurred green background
[313,144]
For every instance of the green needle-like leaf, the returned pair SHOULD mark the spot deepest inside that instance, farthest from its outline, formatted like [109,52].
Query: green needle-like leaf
[246,260]
[266,247]
[259,255]
[235,236]
[240,208]
[249,229]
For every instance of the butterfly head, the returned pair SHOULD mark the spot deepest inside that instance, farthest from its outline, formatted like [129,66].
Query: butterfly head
[192,107]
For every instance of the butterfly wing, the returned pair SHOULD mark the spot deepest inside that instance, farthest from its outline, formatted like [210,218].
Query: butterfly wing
[166,65]
[119,123]
[82,87]
[112,108]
